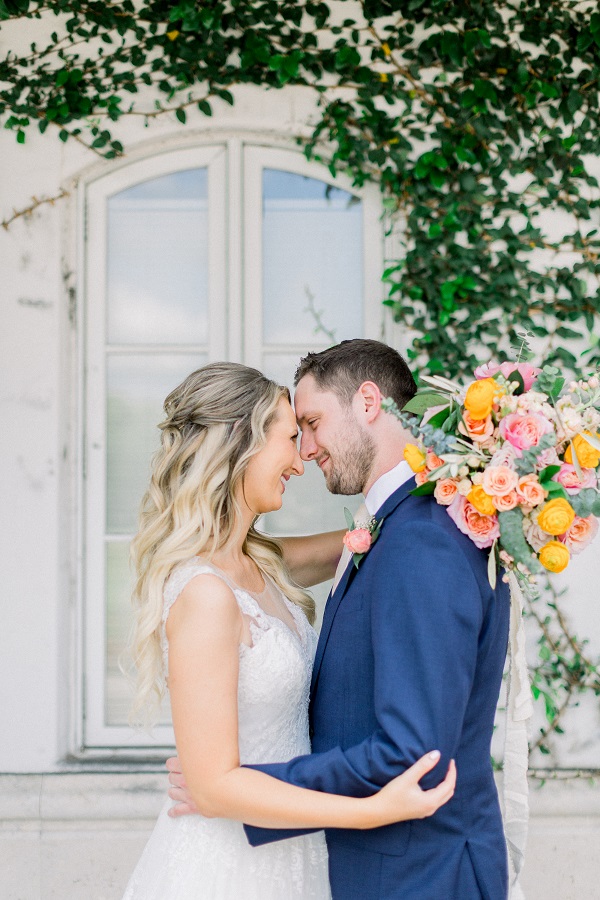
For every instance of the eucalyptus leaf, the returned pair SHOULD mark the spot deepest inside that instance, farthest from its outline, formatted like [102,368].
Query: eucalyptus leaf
[512,539]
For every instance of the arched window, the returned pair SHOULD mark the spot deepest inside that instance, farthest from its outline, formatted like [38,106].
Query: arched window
[229,251]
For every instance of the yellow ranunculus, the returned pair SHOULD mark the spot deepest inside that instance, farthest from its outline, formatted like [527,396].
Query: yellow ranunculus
[554,556]
[480,397]
[482,502]
[556,516]
[414,457]
[587,455]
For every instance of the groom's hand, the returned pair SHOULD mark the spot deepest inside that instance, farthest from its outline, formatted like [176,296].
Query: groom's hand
[178,790]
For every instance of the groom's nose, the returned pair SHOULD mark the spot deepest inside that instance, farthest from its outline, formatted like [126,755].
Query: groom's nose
[308,446]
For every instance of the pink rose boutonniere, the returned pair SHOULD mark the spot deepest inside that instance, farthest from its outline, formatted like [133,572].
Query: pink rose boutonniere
[360,536]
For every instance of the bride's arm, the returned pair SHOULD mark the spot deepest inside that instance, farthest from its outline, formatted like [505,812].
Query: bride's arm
[312,558]
[204,630]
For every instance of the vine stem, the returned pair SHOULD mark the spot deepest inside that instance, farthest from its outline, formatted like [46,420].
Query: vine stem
[35,204]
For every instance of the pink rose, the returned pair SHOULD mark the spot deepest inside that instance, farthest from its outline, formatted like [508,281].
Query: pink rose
[571,483]
[528,373]
[478,430]
[505,502]
[483,530]
[529,491]
[445,490]
[581,532]
[525,431]
[358,541]
[499,480]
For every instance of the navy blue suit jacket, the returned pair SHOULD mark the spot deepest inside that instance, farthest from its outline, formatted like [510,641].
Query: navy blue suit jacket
[410,659]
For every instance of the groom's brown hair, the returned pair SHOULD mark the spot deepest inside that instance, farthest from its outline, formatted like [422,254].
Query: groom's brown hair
[344,367]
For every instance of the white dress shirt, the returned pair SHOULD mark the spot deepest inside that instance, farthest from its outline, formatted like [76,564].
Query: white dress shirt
[385,486]
[379,492]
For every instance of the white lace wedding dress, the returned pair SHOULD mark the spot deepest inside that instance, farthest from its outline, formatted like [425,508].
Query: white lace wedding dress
[194,858]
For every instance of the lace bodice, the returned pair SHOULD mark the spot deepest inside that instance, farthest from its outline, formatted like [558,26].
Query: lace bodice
[274,675]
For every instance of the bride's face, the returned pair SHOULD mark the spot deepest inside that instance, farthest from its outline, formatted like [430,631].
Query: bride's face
[270,469]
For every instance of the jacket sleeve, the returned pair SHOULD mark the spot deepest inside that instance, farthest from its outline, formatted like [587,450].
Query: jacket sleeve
[426,615]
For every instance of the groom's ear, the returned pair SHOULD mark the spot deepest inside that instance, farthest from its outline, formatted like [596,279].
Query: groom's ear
[368,398]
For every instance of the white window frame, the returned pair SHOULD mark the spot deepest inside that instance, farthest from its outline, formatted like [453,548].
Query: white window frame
[235,332]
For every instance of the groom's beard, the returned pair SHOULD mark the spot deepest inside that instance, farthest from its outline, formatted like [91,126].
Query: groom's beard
[351,462]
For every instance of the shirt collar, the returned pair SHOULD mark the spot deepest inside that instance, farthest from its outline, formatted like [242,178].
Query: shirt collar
[386,485]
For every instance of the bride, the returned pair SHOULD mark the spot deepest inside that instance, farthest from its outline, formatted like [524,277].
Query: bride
[221,616]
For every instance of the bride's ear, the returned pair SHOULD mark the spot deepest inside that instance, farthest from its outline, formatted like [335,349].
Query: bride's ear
[369,401]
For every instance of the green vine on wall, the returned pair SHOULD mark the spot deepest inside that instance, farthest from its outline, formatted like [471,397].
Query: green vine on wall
[480,122]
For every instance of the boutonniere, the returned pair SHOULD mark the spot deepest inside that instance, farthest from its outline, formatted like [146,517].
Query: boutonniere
[360,536]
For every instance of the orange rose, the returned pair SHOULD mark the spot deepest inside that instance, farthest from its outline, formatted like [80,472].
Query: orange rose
[414,457]
[433,461]
[479,398]
[530,491]
[482,502]
[556,516]
[554,556]
[587,455]
[506,501]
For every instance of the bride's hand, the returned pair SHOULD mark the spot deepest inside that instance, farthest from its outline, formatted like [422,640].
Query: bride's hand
[403,798]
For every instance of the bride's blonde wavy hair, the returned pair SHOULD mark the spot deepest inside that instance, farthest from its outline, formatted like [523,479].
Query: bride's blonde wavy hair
[216,421]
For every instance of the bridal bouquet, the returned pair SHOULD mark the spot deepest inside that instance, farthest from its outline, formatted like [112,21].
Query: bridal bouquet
[514,456]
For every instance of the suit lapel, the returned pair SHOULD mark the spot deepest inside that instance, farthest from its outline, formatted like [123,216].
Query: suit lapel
[335,598]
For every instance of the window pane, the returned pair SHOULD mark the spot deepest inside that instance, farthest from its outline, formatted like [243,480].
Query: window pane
[312,258]
[119,690]
[158,261]
[136,389]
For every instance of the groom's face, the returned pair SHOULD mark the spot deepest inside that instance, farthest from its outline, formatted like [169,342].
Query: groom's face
[333,438]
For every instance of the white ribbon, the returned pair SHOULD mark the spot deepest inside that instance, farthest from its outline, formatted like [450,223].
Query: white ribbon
[519,709]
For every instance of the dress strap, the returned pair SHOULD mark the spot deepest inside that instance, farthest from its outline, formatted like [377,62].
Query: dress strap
[181,576]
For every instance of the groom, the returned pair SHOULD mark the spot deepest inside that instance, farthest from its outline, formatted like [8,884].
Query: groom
[410,655]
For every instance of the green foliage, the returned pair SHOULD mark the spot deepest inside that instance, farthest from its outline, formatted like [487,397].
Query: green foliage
[475,136]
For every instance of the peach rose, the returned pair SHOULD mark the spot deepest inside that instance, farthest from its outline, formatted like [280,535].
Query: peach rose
[587,455]
[524,431]
[581,532]
[554,556]
[414,457]
[570,480]
[529,491]
[506,501]
[421,477]
[445,490]
[556,516]
[499,480]
[358,541]
[483,530]
[433,461]
[476,429]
